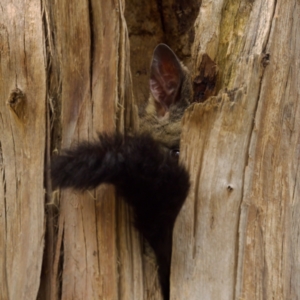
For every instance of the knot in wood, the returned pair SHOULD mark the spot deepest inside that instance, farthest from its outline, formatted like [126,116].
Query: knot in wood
[266,59]
[16,102]
[229,188]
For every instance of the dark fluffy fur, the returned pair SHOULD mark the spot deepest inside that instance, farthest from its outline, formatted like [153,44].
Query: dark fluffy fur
[149,178]
[142,166]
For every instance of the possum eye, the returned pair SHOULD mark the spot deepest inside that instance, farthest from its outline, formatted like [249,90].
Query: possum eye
[175,153]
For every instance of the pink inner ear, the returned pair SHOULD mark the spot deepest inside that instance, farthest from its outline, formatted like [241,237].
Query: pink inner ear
[166,78]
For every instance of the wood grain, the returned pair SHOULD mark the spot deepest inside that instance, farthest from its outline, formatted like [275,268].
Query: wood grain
[237,235]
[22,148]
[65,75]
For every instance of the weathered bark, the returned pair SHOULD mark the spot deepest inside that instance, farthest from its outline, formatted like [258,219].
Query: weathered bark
[65,76]
[90,48]
[237,235]
[22,147]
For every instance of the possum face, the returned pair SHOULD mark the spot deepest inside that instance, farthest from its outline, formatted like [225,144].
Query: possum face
[170,95]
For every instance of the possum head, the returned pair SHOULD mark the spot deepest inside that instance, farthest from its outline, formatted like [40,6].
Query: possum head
[170,95]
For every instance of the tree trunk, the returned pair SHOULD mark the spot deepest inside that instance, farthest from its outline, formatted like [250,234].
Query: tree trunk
[237,234]
[65,75]
[22,147]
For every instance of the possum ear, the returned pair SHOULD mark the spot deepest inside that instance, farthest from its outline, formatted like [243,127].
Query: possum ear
[166,77]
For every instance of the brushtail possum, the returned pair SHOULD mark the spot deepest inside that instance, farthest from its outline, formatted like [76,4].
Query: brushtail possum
[143,166]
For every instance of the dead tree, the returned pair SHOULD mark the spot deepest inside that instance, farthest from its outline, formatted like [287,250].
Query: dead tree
[70,69]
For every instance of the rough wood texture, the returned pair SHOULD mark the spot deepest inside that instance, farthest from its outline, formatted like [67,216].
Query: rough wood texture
[237,236]
[90,48]
[22,148]
[64,75]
